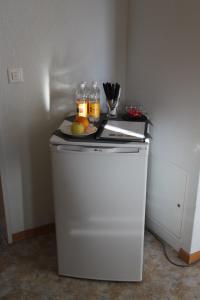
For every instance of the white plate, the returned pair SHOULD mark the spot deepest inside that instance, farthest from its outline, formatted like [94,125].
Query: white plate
[66,129]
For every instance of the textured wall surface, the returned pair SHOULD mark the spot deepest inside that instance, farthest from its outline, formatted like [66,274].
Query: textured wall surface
[57,43]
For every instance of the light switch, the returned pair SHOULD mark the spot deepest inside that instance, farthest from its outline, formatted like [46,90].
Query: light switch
[15,75]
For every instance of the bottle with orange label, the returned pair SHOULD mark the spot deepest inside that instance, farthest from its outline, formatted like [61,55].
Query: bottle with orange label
[94,103]
[82,100]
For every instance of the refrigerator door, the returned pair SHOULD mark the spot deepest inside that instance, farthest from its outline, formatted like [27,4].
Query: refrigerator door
[100,196]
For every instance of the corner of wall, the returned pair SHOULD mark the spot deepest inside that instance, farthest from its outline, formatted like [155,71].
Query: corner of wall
[128,36]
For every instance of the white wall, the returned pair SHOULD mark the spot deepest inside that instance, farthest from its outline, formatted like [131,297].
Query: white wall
[163,73]
[57,43]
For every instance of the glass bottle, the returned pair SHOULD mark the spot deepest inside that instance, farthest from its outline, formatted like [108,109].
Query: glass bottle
[94,103]
[81,100]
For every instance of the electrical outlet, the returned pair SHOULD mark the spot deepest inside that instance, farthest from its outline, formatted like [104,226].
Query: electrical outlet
[15,75]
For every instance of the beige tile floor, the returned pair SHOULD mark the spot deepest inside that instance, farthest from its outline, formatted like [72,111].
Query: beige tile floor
[28,270]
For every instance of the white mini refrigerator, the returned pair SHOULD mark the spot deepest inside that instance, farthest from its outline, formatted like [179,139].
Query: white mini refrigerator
[100,197]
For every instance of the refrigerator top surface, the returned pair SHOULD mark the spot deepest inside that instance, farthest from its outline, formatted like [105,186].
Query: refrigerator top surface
[60,138]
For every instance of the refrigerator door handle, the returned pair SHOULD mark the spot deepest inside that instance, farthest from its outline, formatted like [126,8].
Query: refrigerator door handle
[62,148]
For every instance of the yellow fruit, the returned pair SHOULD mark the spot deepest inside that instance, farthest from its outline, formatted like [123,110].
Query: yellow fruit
[77,128]
[82,120]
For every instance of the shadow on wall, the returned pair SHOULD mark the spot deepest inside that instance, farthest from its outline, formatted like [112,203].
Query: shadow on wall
[62,85]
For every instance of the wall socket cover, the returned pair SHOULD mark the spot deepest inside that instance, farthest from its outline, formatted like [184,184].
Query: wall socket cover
[15,75]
